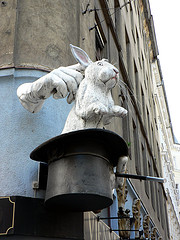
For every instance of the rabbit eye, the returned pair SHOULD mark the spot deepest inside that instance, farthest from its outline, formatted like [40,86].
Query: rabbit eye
[100,64]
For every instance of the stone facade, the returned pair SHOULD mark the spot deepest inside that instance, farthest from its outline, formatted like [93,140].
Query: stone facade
[169,152]
[35,38]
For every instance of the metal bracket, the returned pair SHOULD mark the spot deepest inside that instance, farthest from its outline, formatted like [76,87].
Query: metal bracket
[141,177]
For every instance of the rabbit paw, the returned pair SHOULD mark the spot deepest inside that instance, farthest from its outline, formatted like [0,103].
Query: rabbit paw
[119,111]
[100,109]
[97,108]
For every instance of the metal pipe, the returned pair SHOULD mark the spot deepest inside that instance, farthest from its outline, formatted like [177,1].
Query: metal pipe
[121,230]
[133,238]
[140,177]
[120,217]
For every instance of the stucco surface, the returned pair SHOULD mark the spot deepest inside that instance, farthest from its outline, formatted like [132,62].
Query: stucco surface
[37,34]
[21,132]
[7,32]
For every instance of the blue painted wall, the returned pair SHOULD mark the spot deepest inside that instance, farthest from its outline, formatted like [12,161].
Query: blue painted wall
[22,131]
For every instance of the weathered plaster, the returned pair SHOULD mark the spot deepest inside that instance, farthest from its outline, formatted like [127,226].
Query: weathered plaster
[34,34]
[22,131]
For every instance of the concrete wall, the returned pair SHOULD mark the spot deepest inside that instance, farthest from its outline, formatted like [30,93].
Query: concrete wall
[22,131]
[37,34]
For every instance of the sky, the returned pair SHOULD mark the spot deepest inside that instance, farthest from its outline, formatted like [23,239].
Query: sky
[166,15]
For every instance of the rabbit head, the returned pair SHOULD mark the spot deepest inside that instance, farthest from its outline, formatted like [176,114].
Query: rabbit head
[101,72]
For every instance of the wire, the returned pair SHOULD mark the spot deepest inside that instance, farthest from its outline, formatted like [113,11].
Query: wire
[85,11]
[119,8]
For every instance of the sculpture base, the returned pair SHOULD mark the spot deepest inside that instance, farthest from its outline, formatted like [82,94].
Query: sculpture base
[79,168]
[76,202]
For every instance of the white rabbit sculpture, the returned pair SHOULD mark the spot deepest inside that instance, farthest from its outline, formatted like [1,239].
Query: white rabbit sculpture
[94,105]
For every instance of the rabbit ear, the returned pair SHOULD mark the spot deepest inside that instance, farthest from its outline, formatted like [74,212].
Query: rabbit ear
[80,55]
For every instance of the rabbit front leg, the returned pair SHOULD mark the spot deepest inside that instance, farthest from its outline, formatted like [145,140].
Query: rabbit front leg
[114,111]
[94,115]
[119,111]
[95,109]
[98,108]
[58,83]
[32,95]
[87,105]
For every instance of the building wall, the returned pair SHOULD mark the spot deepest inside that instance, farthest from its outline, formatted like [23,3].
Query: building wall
[37,34]
[22,131]
[36,37]
[129,38]
[176,158]
[95,228]
[137,94]
[168,152]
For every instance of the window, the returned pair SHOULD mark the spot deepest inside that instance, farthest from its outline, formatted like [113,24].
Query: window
[129,58]
[136,149]
[100,40]
[166,218]
[136,74]
[145,168]
[138,45]
[144,72]
[132,22]
[153,197]
[128,47]
[143,105]
[158,202]
[148,125]
[117,14]
[161,196]
[125,121]
[100,45]
[152,137]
